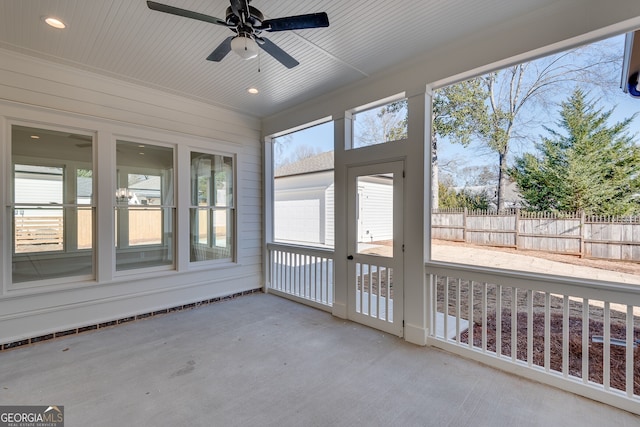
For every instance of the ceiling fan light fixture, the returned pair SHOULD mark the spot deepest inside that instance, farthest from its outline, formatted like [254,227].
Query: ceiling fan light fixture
[244,47]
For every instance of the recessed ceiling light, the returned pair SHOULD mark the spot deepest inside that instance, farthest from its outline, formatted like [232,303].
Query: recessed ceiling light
[35,137]
[252,90]
[55,22]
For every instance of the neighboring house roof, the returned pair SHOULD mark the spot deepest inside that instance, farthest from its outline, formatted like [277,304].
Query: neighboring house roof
[318,163]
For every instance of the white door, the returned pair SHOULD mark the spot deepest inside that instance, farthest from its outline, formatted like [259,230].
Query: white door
[375,251]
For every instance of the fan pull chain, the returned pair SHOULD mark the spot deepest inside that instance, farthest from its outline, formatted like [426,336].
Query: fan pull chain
[259,55]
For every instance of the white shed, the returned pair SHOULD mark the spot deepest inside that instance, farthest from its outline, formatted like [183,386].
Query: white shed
[304,210]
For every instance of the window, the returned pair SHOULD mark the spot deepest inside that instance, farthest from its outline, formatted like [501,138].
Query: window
[304,187]
[380,124]
[212,212]
[52,204]
[144,206]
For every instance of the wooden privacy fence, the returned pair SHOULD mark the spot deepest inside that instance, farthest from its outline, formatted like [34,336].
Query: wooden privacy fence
[591,236]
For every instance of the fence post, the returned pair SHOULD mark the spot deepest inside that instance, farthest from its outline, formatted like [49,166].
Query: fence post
[517,224]
[464,224]
[582,226]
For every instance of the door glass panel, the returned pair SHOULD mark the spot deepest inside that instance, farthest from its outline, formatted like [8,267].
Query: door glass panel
[374,215]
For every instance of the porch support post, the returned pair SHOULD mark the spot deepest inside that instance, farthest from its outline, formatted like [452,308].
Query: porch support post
[269,203]
[342,137]
[417,202]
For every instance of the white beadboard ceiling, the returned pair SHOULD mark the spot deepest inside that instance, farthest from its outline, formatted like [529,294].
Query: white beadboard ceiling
[126,40]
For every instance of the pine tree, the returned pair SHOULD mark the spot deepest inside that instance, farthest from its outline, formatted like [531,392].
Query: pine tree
[586,165]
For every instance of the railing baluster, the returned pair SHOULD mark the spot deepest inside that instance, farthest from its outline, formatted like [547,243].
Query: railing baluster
[370,275]
[499,320]
[470,315]
[303,276]
[547,331]
[270,264]
[287,274]
[446,308]
[324,284]
[606,363]
[629,371]
[514,323]
[387,307]
[529,327]
[311,294]
[585,340]
[458,293]
[294,273]
[281,281]
[327,283]
[565,336]
[313,285]
[308,286]
[317,278]
[273,255]
[301,268]
[280,270]
[433,302]
[484,318]
[435,298]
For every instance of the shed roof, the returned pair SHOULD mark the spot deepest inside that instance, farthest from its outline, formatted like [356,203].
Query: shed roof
[318,163]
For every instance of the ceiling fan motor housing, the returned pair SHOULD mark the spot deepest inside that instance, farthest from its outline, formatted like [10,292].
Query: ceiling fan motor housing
[253,17]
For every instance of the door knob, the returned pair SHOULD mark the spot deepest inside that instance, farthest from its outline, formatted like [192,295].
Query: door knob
[350,257]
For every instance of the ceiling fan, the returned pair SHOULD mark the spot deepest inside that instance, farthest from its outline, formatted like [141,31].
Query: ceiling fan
[248,23]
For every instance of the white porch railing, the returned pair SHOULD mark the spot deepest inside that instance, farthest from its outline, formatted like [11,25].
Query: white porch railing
[580,336]
[301,273]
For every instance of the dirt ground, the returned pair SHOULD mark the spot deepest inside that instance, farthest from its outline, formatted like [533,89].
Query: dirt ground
[609,265]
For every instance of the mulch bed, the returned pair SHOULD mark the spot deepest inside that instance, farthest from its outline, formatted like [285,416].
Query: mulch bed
[617,353]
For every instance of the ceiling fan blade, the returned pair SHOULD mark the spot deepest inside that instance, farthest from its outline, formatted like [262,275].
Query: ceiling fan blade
[236,6]
[299,22]
[221,51]
[185,13]
[280,55]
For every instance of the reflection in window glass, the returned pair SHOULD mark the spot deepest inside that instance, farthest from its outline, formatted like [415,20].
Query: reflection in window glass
[84,197]
[52,205]
[381,124]
[304,187]
[212,211]
[144,206]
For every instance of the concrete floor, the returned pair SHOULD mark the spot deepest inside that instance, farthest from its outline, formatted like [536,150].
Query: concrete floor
[260,360]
